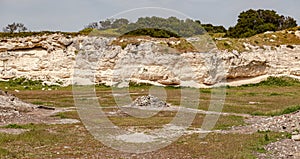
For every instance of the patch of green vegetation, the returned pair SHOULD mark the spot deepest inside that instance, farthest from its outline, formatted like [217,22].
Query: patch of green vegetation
[27,34]
[291,110]
[266,138]
[152,32]
[38,103]
[274,94]
[276,81]
[96,32]
[208,91]
[288,110]
[258,113]
[3,152]
[17,126]
[67,115]
[14,126]
[226,122]
[25,84]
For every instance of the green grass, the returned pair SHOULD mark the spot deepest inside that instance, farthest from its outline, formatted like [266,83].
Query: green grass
[25,84]
[273,95]
[67,115]
[226,122]
[17,126]
[291,110]
[276,95]
[287,110]
[277,82]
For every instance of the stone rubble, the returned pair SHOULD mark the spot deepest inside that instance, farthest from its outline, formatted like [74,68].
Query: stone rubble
[149,101]
[283,149]
[283,123]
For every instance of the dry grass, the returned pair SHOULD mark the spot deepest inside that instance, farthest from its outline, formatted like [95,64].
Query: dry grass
[274,40]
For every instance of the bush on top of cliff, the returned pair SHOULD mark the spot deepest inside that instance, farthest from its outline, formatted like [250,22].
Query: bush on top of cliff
[252,22]
[184,28]
[27,34]
[152,32]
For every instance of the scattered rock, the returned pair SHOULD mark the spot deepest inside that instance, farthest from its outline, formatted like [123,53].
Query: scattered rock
[15,111]
[296,137]
[149,101]
[281,150]
[65,121]
[283,123]
[252,103]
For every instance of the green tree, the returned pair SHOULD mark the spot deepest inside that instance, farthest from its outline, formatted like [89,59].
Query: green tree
[106,24]
[253,22]
[118,23]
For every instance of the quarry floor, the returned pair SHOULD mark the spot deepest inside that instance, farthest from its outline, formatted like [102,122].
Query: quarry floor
[251,125]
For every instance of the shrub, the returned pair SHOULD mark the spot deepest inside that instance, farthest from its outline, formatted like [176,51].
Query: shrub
[152,32]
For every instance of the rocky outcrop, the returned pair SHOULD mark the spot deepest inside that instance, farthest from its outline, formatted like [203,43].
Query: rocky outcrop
[56,59]
[12,106]
[15,111]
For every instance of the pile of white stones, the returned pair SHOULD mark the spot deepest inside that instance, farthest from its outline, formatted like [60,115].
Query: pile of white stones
[149,101]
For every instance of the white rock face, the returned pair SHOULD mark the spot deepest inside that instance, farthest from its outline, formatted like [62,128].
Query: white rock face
[57,59]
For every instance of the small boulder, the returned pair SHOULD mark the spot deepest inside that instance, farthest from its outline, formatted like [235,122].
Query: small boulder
[296,137]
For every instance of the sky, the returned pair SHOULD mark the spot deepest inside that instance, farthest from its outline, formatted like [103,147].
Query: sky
[73,15]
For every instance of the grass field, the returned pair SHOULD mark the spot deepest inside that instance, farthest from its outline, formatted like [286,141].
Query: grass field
[273,97]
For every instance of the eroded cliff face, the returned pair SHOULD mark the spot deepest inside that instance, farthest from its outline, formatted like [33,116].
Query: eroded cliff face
[57,59]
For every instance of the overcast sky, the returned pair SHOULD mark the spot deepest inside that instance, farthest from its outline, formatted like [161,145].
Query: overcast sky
[72,15]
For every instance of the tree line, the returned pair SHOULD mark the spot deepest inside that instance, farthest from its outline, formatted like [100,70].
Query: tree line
[249,23]
[186,28]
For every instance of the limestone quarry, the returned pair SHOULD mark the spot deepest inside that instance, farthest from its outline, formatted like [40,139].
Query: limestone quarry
[63,60]
[56,58]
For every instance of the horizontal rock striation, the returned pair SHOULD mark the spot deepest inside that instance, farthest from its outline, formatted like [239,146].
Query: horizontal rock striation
[59,59]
